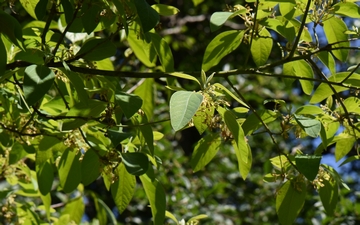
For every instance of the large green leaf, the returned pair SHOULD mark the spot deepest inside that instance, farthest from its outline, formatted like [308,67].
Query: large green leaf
[144,51]
[324,91]
[148,16]
[301,68]
[204,151]
[136,163]
[352,105]
[281,26]
[328,60]
[222,45]
[156,195]
[90,167]
[183,106]
[29,6]
[96,49]
[231,94]
[308,165]
[252,123]
[123,189]
[290,200]
[144,131]
[45,176]
[312,127]
[37,82]
[344,143]
[69,170]
[117,136]
[261,47]
[90,16]
[128,103]
[290,10]
[244,165]
[146,92]
[334,29]
[308,110]
[75,209]
[347,9]
[329,193]
[163,51]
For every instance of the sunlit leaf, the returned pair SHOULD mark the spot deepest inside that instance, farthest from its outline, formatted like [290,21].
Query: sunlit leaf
[289,201]
[171,216]
[183,106]
[261,47]
[75,208]
[165,10]
[252,122]
[204,151]
[308,109]
[90,167]
[203,117]
[69,170]
[231,94]
[156,195]
[222,45]
[146,92]
[328,60]
[334,29]
[301,68]
[144,51]
[344,143]
[347,9]
[217,19]
[184,76]
[312,127]
[163,51]
[123,189]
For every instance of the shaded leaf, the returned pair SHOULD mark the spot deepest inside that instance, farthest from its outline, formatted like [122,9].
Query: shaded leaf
[227,91]
[308,165]
[148,16]
[136,163]
[128,103]
[312,127]
[328,60]
[329,193]
[90,167]
[95,49]
[183,106]
[45,177]
[37,82]
[163,51]
[69,169]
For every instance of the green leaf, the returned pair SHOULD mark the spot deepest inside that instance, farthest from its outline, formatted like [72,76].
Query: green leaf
[344,143]
[117,136]
[156,195]
[350,159]
[328,60]
[145,132]
[144,51]
[75,208]
[148,16]
[3,58]
[204,151]
[203,117]
[121,12]
[95,49]
[183,106]
[222,45]
[136,163]
[261,47]
[308,110]
[221,87]
[290,10]
[69,170]
[335,29]
[29,6]
[217,19]
[347,9]
[281,26]
[163,51]
[45,177]
[123,189]
[90,16]
[91,109]
[324,91]
[184,76]
[244,167]
[37,82]
[308,165]
[171,216]
[301,68]
[146,92]
[128,103]
[46,199]
[238,134]
[90,167]
[40,9]
[77,83]
[289,201]
[165,10]
[312,127]
[352,105]
[329,193]
[195,219]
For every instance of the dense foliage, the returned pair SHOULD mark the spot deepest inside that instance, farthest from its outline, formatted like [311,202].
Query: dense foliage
[108,107]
